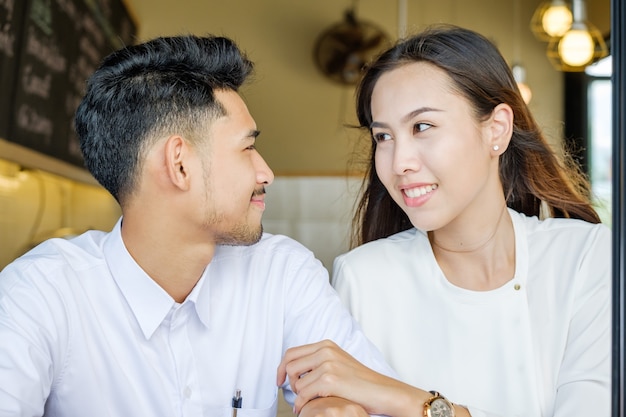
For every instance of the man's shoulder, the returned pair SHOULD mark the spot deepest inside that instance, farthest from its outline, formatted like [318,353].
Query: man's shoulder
[50,267]
[78,252]
[269,244]
[275,257]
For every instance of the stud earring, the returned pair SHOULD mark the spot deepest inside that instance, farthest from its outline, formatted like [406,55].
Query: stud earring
[496,147]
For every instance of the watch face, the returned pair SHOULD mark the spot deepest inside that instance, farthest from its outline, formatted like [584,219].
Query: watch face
[440,408]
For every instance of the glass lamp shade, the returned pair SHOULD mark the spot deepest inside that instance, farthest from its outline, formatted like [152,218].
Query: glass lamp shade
[556,20]
[551,19]
[576,47]
[580,46]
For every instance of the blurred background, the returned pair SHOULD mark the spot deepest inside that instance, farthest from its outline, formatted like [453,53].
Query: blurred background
[302,98]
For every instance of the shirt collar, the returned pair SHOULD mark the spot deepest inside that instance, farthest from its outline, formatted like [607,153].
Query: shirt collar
[148,301]
[200,297]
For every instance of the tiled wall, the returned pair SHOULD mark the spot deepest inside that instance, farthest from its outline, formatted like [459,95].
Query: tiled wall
[316,211]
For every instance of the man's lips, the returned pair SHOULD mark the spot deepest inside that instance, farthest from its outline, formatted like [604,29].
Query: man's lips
[258,197]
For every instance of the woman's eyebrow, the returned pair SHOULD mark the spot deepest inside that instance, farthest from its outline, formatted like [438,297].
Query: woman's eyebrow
[408,117]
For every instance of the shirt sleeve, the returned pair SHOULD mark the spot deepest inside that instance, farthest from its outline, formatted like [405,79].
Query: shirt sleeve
[584,380]
[316,313]
[27,336]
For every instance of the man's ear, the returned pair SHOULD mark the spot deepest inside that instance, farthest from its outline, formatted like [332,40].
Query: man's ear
[177,159]
[501,128]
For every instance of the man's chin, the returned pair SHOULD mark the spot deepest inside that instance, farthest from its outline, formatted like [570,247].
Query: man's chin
[242,237]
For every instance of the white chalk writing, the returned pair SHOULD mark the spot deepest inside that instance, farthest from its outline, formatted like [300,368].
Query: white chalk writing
[93,29]
[30,121]
[46,52]
[37,86]
[7,41]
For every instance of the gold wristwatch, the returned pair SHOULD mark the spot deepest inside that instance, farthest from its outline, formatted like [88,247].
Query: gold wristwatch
[438,406]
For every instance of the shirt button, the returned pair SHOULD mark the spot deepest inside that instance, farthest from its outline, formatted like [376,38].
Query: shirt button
[517,287]
[187,392]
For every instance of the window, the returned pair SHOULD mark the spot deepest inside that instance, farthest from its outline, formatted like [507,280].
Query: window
[588,102]
[599,103]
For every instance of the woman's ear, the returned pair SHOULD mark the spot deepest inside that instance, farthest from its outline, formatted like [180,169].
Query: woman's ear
[176,154]
[500,128]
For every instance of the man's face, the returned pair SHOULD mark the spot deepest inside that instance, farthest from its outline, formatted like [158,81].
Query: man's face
[235,176]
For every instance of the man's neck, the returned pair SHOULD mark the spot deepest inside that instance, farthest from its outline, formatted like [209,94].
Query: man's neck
[171,260]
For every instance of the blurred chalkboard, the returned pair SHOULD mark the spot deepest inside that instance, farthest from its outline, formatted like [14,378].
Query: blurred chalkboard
[58,44]
[11,20]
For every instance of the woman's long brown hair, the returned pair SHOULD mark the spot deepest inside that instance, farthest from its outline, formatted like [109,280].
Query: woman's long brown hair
[532,174]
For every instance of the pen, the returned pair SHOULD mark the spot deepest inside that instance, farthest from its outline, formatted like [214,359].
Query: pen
[236,403]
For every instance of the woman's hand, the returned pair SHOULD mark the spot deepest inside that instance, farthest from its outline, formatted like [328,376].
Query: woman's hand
[332,407]
[323,369]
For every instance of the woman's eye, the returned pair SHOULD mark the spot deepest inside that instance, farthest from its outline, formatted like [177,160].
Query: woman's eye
[420,127]
[381,137]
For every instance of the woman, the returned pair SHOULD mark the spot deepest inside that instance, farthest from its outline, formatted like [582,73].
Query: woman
[481,270]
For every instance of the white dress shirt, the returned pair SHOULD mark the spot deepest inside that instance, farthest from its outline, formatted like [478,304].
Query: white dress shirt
[85,332]
[540,345]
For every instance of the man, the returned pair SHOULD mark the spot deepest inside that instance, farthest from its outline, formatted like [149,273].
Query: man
[185,302]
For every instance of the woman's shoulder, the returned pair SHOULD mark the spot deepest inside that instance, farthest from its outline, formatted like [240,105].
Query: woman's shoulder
[393,245]
[555,225]
[562,232]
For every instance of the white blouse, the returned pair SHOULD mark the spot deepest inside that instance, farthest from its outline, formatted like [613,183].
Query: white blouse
[540,345]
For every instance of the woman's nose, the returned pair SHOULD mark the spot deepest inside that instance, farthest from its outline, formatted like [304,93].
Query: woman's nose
[405,157]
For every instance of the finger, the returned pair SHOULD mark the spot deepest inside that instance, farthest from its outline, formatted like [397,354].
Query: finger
[318,383]
[291,355]
[297,359]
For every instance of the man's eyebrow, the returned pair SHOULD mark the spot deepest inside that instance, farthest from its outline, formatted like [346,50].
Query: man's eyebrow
[408,117]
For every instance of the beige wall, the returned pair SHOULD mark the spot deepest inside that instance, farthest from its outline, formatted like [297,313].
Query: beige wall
[300,113]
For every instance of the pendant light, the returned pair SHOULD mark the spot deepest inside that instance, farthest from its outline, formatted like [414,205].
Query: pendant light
[519,73]
[580,45]
[551,19]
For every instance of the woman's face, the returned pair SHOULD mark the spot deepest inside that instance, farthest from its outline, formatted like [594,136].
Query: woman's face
[432,155]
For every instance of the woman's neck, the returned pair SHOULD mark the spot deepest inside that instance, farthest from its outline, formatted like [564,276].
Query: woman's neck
[478,263]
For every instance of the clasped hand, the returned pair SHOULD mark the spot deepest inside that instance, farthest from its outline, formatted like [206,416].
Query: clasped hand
[324,370]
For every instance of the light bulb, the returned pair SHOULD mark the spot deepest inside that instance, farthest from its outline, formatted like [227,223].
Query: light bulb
[519,74]
[556,20]
[576,47]
[525,91]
